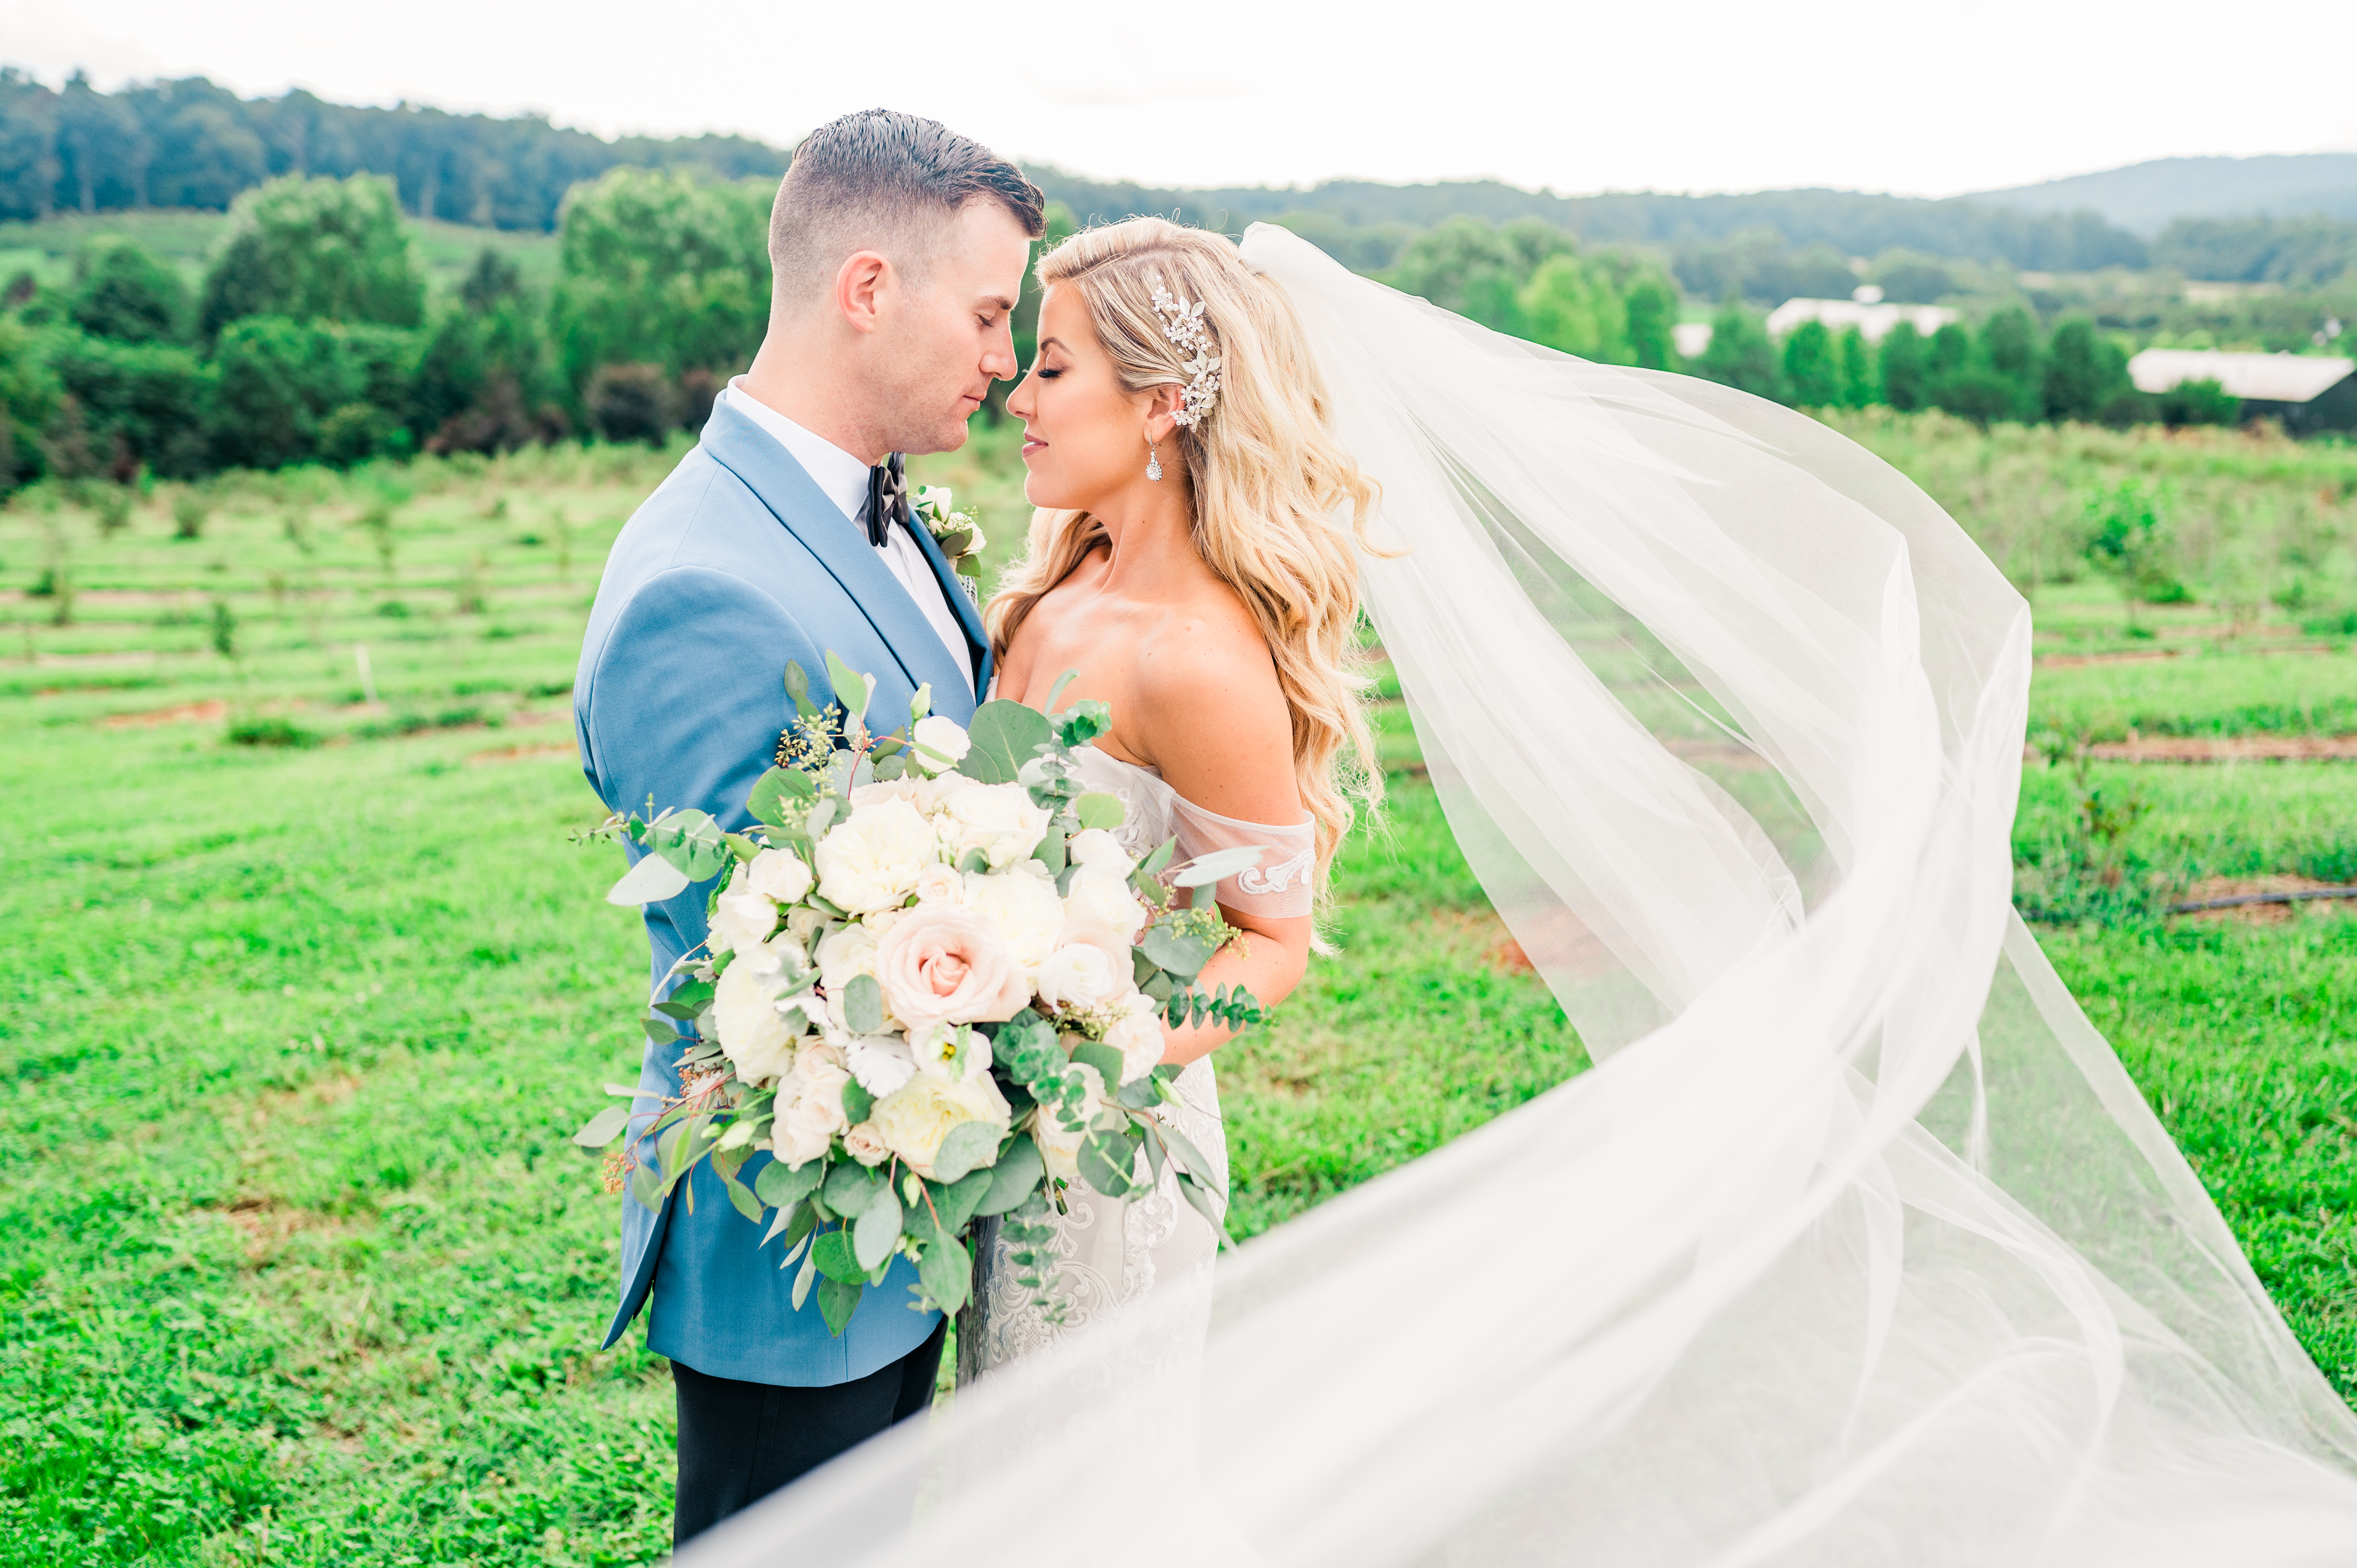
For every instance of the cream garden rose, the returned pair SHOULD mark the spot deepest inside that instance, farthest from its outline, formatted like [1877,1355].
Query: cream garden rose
[758,1041]
[778,875]
[1095,897]
[941,885]
[939,738]
[871,859]
[1089,967]
[914,1119]
[942,965]
[999,819]
[742,916]
[1137,1036]
[1023,904]
[848,953]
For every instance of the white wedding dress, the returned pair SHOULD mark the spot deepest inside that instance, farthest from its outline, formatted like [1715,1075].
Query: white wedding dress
[1856,1248]
[1111,1251]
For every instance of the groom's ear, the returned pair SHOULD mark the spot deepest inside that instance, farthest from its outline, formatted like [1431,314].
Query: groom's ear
[859,285]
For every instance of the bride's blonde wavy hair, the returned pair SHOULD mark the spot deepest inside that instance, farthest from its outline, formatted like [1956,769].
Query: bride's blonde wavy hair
[1268,480]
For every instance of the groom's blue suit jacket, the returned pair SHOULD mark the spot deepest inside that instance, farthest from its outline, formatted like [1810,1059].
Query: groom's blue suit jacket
[736,564]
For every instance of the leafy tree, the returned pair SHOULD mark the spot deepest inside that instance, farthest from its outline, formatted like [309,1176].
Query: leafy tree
[1653,307]
[29,395]
[1952,350]
[102,156]
[1571,305]
[122,292]
[2084,373]
[143,403]
[28,146]
[1856,357]
[1477,270]
[661,268]
[1740,354]
[1913,281]
[2199,402]
[287,388]
[632,402]
[2129,540]
[1812,370]
[315,250]
[2009,338]
[1905,368]
[483,371]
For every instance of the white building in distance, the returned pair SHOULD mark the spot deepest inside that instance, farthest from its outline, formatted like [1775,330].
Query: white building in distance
[1873,318]
[2307,392]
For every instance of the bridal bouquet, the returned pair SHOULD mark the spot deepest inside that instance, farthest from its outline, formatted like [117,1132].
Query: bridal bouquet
[933,991]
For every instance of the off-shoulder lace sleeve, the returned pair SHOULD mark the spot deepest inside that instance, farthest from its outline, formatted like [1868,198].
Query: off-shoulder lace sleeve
[1282,885]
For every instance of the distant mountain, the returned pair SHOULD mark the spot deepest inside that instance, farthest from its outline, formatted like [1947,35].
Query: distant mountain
[1364,223]
[2142,197]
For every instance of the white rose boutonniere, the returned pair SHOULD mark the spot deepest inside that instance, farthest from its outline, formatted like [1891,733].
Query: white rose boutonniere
[958,534]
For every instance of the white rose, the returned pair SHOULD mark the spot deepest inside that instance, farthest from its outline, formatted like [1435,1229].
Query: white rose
[941,885]
[778,875]
[1094,897]
[935,734]
[1060,1146]
[881,1063]
[872,860]
[1138,1037]
[998,818]
[1100,851]
[742,917]
[1082,973]
[757,1040]
[913,1120]
[884,790]
[847,953]
[862,1143]
[802,922]
[806,1125]
[1025,909]
[934,793]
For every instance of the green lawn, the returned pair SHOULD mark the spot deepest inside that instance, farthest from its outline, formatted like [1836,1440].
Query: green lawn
[297,1270]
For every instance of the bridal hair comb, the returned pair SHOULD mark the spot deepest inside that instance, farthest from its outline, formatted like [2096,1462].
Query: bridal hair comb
[1183,323]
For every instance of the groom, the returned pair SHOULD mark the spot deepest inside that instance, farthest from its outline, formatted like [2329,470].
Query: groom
[897,250]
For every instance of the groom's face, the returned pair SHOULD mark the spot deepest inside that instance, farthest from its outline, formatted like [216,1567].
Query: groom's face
[950,337]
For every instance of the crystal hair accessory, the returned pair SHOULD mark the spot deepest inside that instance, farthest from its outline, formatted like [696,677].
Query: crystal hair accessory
[1183,323]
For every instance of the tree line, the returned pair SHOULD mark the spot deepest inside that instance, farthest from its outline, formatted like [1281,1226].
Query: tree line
[312,336]
[190,144]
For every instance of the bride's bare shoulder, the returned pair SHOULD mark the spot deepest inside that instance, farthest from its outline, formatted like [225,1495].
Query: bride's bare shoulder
[1212,713]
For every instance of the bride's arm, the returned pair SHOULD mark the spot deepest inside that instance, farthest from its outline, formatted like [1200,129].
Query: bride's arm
[1217,727]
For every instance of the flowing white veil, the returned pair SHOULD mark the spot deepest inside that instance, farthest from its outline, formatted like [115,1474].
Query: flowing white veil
[1858,1246]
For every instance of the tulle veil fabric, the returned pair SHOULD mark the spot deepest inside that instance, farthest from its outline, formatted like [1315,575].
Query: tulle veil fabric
[1856,1246]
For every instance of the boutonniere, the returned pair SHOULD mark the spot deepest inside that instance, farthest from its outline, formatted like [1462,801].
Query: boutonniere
[958,534]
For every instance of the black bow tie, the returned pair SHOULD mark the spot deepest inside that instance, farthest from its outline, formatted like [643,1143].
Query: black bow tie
[887,497]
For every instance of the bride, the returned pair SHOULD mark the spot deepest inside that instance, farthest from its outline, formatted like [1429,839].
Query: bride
[1856,1246]
[1210,603]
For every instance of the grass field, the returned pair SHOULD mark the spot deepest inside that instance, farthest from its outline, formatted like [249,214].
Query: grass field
[293,1271]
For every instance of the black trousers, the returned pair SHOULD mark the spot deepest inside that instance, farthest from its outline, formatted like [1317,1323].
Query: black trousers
[739,1441]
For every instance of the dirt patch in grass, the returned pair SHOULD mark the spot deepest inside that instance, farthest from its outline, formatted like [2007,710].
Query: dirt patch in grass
[210,712]
[2281,913]
[2227,748]
[522,753]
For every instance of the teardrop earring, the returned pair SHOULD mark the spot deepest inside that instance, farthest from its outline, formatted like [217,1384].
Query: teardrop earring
[1153,461]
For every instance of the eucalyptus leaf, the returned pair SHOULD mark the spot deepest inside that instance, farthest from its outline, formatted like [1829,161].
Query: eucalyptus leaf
[954,1204]
[1100,1166]
[822,817]
[805,1280]
[740,1195]
[863,1004]
[1201,1198]
[1056,693]
[848,1188]
[651,881]
[1106,1059]
[1014,1178]
[856,1102]
[777,790]
[831,1251]
[969,1146]
[1098,809]
[877,1229]
[1181,951]
[946,1271]
[783,1188]
[837,1299]
[1050,851]
[798,687]
[604,1127]
[1004,735]
[852,689]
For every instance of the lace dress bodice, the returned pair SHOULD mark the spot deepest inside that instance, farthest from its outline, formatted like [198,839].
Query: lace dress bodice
[1113,1251]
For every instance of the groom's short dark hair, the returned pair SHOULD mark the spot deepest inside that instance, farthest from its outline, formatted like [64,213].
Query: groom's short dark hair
[878,180]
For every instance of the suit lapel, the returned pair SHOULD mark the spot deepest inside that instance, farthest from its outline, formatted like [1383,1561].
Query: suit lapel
[969,619]
[750,452]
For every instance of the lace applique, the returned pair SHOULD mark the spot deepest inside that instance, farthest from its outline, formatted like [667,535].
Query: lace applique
[1278,878]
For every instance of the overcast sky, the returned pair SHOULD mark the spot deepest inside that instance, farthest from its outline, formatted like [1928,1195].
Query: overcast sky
[1704,95]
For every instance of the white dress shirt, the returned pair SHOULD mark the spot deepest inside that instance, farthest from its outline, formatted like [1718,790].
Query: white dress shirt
[843,479]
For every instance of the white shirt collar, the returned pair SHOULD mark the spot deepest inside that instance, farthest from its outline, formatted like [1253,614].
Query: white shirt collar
[841,476]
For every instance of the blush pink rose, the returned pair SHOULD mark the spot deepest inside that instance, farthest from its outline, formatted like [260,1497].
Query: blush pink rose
[943,965]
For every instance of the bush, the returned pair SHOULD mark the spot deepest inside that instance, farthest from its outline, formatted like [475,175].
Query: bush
[122,292]
[144,402]
[288,388]
[313,249]
[2199,402]
[631,402]
[270,732]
